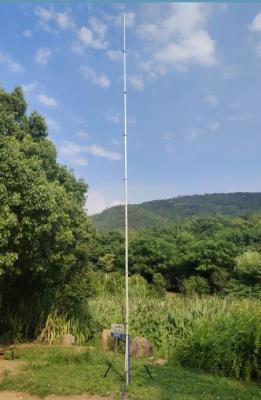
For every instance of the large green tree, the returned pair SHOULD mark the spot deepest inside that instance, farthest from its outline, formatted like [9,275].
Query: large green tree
[43,226]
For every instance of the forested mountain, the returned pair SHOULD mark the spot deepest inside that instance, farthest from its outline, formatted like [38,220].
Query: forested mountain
[177,209]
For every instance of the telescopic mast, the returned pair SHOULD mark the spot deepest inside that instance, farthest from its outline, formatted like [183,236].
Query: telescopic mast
[127,344]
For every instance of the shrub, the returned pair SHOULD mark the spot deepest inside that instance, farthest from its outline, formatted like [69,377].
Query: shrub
[195,284]
[159,284]
[226,343]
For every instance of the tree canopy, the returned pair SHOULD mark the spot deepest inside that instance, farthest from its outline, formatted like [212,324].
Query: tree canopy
[206,254]
[44,229]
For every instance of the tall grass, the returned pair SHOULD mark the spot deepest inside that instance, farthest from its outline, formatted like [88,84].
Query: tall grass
[79,325]
[226,343]
[221,335]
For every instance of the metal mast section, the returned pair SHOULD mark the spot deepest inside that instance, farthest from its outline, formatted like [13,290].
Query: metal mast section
[127,341]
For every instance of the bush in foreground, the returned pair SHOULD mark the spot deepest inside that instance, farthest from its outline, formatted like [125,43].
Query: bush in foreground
[226,343]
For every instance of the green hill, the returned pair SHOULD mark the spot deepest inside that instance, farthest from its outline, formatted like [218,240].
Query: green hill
[168,211]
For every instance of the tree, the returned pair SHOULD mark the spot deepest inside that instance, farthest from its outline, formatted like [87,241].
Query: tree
[195,284]
[150,254]
[159,284]
[43,226]
[248,266]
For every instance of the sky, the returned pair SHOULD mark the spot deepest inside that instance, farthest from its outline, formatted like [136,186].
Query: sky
[193,92]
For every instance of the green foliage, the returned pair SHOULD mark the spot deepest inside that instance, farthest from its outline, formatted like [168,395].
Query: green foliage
[202,255]
[106,262]
[150,254]
[44,231]
[248,266]
[207,332]
[179,209]
[226,344]
[195,284]
[159,284]
[37,126]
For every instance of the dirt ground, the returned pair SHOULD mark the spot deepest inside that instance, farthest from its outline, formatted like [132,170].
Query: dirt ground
[13,395]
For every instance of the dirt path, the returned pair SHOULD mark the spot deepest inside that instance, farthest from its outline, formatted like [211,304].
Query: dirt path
[13,395]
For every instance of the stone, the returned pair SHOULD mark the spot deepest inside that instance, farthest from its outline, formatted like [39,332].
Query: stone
[141,347]
[107,341]
[67,339]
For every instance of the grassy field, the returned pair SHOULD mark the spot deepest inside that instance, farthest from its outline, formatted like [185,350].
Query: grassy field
[61,371]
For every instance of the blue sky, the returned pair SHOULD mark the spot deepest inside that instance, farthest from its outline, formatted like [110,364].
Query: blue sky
[193,92]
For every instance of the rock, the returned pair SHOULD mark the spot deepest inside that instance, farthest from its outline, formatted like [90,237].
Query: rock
[67,339]
[107,341]
[141,347]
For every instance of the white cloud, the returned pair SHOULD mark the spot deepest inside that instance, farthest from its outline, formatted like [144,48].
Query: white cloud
[10,63]
[182,19]
[27,33]
[42,55]
[211,100]
[197,48]
[115,203]
[98,27]
[117,20]
[29,87]
[99,79]
[71,150]
[47,101]
[53,125]
[113,116]
[256,27]
[44,14]
[61,20]
[176,38]
[46,17]
[130,19]
[95,203]
[64,20]
[102,152]
[115,55]
[136,81]
[214,126]
[80,162]
[94,35]
[256,24]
